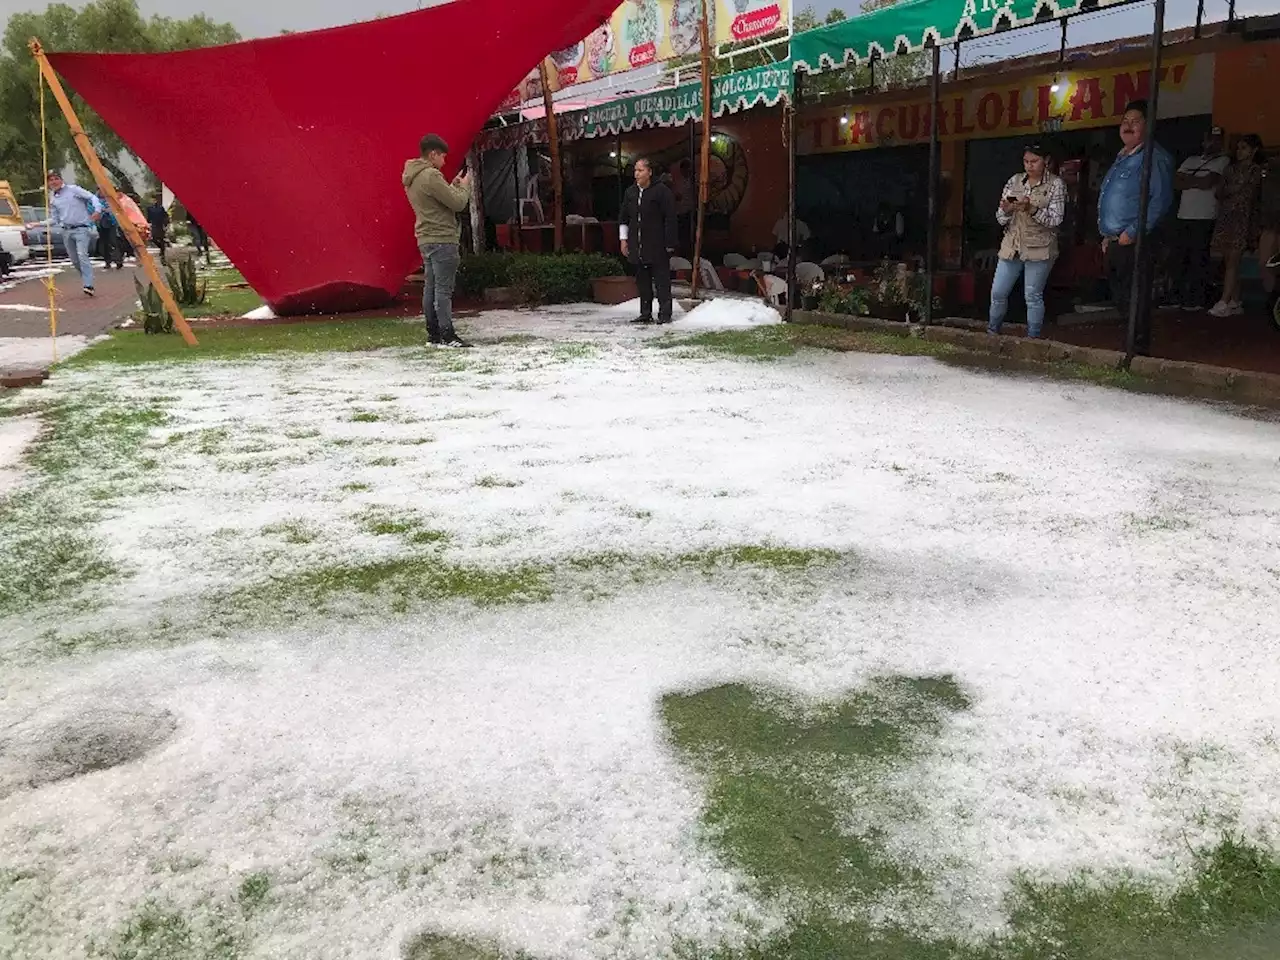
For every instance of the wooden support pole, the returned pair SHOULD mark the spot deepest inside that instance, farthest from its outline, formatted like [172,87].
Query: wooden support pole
[790,112]
[704,167]
[553,140]
[477,200]
[109,191]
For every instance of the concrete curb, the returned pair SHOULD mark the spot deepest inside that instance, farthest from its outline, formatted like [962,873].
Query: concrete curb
[1180,376]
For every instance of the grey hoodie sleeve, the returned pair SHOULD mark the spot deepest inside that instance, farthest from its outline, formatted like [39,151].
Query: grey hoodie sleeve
[455,198]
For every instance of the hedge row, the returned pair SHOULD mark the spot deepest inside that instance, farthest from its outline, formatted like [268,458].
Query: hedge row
[539,278]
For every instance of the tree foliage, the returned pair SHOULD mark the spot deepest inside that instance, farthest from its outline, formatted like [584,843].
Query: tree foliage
[100,26]
[888,73]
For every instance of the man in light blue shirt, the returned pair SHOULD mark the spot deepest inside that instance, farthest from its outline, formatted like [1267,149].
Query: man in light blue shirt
[1119,200]
[75,210]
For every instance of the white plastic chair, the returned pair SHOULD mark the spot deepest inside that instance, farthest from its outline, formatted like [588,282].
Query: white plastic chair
[836,260]
[735,261]
[809,273]
[680,263]
[531,200]
[775,290]
[708,278]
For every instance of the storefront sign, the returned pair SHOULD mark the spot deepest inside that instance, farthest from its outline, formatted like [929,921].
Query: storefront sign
[741,21]
[1030,106]
[672,108]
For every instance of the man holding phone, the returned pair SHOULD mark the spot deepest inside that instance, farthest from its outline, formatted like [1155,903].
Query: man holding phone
[436,204]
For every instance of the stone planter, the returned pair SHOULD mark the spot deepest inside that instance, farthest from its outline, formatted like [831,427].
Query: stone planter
[614,290]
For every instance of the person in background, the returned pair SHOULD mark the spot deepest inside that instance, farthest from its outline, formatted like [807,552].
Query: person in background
[1031,209]
[649,235]
[890,228]
[436,204]
[198,236]
[1198,178]
[158,218]
[135,215]
[783,248]
[1269,225]
[75,211]
[110,237]
[1236,229]
[1119,202]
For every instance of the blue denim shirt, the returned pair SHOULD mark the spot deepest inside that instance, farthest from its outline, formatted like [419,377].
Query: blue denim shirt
[1118,200]
[72,206]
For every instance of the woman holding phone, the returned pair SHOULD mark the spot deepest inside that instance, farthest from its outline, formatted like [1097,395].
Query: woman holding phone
[1032,206]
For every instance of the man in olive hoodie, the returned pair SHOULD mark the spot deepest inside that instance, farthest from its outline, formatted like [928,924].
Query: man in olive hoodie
[437,204]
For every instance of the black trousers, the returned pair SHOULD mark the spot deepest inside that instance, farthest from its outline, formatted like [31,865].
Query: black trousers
[1122,264]
[651,278]
[1189,261]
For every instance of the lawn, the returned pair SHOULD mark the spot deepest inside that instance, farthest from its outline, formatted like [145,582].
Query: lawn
[597,642]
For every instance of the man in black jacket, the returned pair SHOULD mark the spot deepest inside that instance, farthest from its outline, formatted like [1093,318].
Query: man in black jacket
[649,233]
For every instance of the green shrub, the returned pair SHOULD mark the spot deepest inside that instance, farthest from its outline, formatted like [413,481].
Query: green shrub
[539,278]
[836,299]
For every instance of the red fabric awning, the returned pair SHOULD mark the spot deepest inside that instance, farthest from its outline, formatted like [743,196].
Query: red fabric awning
[289,150]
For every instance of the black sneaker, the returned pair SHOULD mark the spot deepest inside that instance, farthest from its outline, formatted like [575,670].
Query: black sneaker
[662,322]
[644,320]
[456,342]
[88,292]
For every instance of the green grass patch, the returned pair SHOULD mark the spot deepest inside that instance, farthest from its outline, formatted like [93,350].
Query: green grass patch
[132,346]
[93,445]
[491,482]
[222,301]
[365,417]
[771,767]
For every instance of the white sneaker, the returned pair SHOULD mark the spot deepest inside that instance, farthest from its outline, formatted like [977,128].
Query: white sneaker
[1220,309]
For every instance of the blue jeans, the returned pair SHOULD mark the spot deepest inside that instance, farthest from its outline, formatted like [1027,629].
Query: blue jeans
[1007,274]
[439,274]
[77,242]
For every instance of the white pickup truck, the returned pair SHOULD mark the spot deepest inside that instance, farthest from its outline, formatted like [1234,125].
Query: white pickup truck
[14,247]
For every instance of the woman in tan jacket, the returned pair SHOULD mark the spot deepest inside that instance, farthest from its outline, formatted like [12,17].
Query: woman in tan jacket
[1031,210]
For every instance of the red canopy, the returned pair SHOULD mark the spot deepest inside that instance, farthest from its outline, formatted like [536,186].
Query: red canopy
[289,150]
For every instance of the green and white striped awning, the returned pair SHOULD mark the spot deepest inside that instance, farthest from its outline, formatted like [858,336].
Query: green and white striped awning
[913,25]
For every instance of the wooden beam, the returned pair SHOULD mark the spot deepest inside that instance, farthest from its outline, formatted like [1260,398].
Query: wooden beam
[553,140]
[109,191]
[477,200]
[704,167]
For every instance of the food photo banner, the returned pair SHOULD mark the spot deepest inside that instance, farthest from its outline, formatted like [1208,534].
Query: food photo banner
[641,33]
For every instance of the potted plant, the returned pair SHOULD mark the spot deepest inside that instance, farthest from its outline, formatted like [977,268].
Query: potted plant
[850,301]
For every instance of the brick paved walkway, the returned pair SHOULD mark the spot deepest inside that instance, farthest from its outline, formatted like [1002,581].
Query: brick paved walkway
[78,315]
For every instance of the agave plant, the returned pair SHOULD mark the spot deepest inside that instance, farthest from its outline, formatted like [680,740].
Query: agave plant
[188,289]
[155,319]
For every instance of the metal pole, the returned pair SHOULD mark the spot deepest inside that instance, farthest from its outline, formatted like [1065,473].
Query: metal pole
[1139,338]
[955,74]
[931,249]
[1199,18]
[704,166]
[1062,43]
[791,114]
[1231,15]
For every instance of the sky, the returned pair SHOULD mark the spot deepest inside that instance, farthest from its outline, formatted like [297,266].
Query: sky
[256,18]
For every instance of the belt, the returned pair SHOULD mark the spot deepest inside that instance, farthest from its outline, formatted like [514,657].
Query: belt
[75,226]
